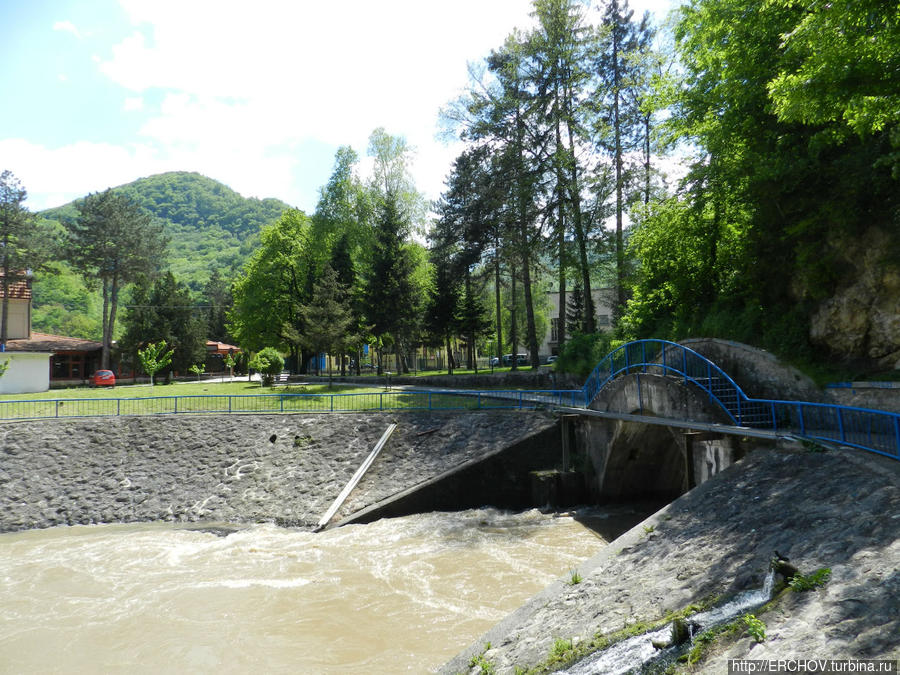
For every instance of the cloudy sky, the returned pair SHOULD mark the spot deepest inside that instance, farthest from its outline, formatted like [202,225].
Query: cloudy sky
[97,93]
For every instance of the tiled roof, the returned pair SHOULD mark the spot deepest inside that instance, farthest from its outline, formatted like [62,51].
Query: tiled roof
[220,347]
[19,289]
[43,342]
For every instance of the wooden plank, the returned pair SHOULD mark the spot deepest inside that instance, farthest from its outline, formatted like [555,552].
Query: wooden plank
[360,472]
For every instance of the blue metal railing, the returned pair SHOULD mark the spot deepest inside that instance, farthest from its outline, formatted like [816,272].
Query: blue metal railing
[874,430]
[278,403]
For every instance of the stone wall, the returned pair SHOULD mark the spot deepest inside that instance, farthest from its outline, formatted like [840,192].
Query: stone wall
[758,372]
[862,319]
[875,396]
[234,468]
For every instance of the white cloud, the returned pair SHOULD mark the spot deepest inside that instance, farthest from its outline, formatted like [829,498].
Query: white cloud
[67,27]
[242,82]
[233,90]
[133,103]
[54,176]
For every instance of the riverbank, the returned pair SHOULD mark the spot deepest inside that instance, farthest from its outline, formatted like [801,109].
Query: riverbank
[285,469]
[838,509]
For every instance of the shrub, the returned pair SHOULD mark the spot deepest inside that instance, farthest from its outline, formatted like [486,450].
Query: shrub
[818,578]
[755,627]
[582,353]
[268,362]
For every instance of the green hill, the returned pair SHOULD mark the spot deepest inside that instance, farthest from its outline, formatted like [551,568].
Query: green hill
[211,227]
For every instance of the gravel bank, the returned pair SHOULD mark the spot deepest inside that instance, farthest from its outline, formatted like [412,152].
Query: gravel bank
[840,509]
[229,468]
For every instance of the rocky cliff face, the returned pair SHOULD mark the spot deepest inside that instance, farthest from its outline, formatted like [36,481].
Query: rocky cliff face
[862,319]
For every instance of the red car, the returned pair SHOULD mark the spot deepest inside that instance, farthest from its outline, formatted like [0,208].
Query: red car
[103,378]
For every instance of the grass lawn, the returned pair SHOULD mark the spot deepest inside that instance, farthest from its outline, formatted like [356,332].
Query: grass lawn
[237,388]
[231,397]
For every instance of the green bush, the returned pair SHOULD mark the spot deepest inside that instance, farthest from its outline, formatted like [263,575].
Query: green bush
[818,578]
[755,627]
[268,362]
[582,353]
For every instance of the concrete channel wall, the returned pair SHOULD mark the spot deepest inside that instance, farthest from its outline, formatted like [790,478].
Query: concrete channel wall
[252,468]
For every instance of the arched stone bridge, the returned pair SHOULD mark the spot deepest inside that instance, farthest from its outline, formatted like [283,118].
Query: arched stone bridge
[664,417]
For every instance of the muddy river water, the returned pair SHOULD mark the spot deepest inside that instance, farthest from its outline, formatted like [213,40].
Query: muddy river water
[398,595]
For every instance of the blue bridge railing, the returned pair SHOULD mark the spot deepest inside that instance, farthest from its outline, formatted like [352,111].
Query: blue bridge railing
[278,403]
[874,430]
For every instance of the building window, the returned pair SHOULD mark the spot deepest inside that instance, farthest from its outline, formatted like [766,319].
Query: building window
[67,366]
[603,319]
[554,330]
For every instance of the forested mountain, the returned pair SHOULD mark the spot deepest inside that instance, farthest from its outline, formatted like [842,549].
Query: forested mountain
[210,228]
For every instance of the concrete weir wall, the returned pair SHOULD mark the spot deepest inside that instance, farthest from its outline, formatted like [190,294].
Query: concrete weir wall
[630,459]
[257,468]
[501,478]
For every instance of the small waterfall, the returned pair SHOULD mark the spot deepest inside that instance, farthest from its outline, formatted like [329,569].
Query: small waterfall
[634,653]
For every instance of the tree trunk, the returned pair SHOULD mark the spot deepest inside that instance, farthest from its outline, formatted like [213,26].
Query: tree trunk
[449,356]
[513,329]
[499,354]
[470,335]
[561,328]
[617,131]
[590,312]
[646,159]
[4,319]
[104,352]
[529,311]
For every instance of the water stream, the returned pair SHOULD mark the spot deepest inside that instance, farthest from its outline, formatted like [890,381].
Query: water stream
[632,654]
[400,595]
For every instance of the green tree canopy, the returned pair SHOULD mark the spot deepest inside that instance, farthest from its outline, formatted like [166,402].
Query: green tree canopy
[154,357]
[166,312]
[113,242]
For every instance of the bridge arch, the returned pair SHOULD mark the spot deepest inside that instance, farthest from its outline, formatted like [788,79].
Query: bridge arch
[631,459]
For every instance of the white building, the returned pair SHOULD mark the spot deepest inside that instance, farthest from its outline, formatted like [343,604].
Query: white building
[603,303]
[29,369]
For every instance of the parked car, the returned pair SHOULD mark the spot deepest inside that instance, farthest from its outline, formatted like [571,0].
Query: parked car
[103,378]
[521,359]
[495,361]
[551,359]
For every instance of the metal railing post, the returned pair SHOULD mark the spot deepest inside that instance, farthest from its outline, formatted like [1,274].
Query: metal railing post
[118,407]
[479,400]
[429,400]
[684,364]
[176,404]
[381,401]
[841,424]
[644,354]
[520,400]
[897,435]
[802,421]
